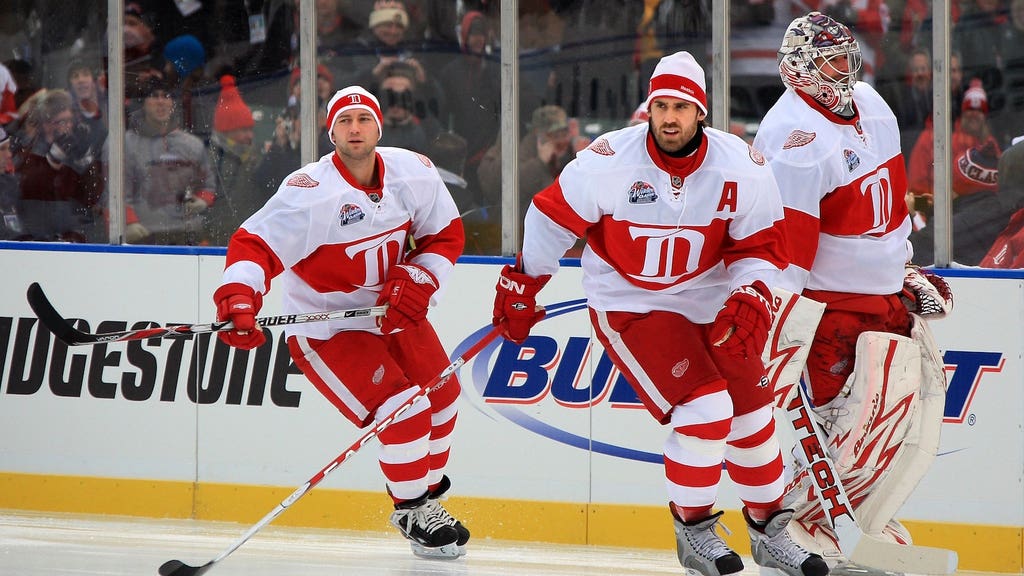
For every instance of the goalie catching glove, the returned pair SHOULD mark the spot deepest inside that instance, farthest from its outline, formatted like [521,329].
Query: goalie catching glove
[742,325]
[407,293]
[515,302]
[239,304]
[926,294]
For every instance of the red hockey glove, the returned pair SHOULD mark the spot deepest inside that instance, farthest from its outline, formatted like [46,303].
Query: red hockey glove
[515,304]
[407,293]
[239,304]
[926,294]
[742,325]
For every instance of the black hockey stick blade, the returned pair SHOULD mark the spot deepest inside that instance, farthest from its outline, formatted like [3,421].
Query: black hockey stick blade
[50,318]
[179,568]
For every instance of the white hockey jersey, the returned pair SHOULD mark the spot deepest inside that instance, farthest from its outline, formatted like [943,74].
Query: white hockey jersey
[843,183]
[658,240]
[334,242]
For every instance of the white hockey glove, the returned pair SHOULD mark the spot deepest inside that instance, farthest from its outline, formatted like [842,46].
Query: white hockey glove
[926,294]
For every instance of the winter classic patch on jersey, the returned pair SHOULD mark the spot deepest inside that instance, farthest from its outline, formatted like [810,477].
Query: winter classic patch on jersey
[301,180]
[602,147]
[798,138]
[642,193]
[426,161]
[852,160]
[756,155]
[350,214]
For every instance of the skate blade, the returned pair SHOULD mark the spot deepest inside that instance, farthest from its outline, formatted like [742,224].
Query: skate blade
[851,569]
[446,552]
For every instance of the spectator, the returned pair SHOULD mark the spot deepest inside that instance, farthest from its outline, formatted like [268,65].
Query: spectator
[472,85]
[168,181]
[974,35]
[1008,249]
[278,52]
[142,59]
[88,101]
[10,223]
[324,91]
[971,131]
[911,99]
[8,88]
[234,158]
[545,149]
[398,94]
[336,36]
[282,154]
[387,42]
[61,177]
[977,213]
[1010,121]
[184,61]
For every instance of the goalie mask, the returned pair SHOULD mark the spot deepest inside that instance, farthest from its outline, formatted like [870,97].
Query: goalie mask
[813,44]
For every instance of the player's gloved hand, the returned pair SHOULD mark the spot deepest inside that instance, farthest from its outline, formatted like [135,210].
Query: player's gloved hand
[925,293]
[515,303]
[239,304]
[742,325]
[407,293]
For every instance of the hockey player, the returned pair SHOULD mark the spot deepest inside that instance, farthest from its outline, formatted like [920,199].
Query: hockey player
[833,145]
[338,231]
[683,239]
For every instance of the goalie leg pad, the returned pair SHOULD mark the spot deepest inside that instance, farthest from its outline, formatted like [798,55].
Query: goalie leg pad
[921,444]
[868,422]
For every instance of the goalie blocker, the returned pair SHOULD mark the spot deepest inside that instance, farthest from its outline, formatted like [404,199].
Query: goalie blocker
[881,432]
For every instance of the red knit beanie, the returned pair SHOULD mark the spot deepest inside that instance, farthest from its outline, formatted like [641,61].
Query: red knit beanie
[232,112]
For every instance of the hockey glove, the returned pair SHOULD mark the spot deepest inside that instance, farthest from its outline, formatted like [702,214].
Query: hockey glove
[239,304]
[515,303]
[407,293]
[742,325]
[926,294]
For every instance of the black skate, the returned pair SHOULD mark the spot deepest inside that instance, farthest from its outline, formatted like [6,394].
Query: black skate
[435,499]
[425,524]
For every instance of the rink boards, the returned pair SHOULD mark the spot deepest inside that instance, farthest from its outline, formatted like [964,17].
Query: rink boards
[551,445]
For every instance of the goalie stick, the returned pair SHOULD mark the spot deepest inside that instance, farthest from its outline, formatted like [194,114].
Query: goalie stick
[179,568]
[859,548]
[71,336]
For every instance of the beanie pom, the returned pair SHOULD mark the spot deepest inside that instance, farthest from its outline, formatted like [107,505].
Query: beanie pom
[232,112]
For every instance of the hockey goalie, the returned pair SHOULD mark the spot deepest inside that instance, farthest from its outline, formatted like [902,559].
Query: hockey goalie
[872,371]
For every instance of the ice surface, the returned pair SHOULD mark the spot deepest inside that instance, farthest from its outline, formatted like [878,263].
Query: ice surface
[34,544]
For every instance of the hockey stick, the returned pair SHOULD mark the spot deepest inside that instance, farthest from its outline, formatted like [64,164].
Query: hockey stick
[179,568]
[71,336]
[858,547]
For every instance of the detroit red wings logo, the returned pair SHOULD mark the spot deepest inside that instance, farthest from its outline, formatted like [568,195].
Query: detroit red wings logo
[756,156]
[426,161]
[601,147]
[301,180]
[798,138]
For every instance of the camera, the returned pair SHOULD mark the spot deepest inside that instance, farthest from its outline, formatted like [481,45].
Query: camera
[74,149]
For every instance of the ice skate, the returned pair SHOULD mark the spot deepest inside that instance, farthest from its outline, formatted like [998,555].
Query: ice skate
[702,550]
[425,524]
[434,501]
[772,547]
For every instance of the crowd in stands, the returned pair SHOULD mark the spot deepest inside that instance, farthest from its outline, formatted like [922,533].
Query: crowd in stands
[212,98]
